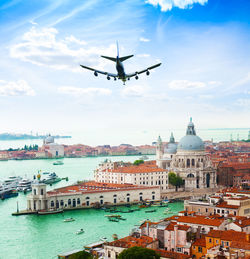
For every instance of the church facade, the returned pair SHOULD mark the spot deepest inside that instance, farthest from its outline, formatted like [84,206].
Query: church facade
[187,159]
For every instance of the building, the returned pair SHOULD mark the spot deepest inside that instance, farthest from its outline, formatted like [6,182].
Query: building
[113,249]
[87,195]
[187,159]
[145,174]
[219,243]
[52,149]
[222,204]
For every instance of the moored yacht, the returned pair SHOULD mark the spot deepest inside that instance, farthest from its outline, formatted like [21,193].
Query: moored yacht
[12,181]
[24,185]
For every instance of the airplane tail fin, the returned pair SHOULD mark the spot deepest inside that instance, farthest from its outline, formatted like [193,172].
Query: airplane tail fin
[110,58]
[126,57]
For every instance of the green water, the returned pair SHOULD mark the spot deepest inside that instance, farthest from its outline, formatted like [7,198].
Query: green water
[45,237]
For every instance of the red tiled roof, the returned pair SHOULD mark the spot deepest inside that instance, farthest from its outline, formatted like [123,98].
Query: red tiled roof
[130,241]
[228,235]
[173,255]
[92,186]
[200,220]
[240,245]
[224,204]
[200,242]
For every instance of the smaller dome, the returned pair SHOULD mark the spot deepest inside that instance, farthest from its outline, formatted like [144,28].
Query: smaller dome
[49,140]
[172,146]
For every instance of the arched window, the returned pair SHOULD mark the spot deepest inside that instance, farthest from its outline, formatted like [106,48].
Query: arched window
[101,197]
[87,198]
[188,162]
[69,201]
[41,191]
[114,195]
[61,202]
[153,192]
[52,204]
[190,176]
[140,193]
[128,194]
[192,162]
[78,201]
[34,191]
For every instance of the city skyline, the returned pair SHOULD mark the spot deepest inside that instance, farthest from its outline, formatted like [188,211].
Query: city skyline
[203,47]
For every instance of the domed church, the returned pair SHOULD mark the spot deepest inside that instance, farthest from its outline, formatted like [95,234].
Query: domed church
[187,159]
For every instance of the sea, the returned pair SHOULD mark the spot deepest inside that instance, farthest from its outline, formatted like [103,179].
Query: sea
[43,237]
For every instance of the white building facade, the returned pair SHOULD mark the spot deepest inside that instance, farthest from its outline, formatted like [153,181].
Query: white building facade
[188,160]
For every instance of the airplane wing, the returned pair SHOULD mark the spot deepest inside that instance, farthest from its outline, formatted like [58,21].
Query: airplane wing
[99,72]
[143,71]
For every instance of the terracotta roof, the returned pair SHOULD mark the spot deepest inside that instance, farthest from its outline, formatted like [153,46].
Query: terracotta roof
[228,235]
[240,245]
[200,220]
[173,255]
[130,241]
[224,204]
[92,187]
[200,242]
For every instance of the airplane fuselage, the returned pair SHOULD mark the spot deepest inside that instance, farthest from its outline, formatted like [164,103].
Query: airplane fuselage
[120,70]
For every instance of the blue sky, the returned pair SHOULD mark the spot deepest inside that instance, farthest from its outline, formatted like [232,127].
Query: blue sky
[204,47]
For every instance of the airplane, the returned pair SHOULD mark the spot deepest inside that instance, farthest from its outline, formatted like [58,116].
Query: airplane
[120,69]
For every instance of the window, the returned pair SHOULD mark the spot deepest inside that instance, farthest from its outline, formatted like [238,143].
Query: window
[52,204]
[34,191]
[69,201]
[41,191]
[199,249]
[206,210]
[210,240]
[78,201]
[179,249]
[234,213]
[61,202]
[227,243]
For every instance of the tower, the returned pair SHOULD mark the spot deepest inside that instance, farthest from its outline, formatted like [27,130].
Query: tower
[159,151]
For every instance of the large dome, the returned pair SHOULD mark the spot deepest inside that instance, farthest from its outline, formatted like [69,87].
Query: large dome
[191,141]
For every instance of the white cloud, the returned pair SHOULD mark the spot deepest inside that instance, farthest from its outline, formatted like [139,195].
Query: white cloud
[206,96]
[144,39]
[41,46]
[243,102]
[185,84]
[167,5]
[76,91]
[143,55]
[20,87]
[134,91]
[215,83]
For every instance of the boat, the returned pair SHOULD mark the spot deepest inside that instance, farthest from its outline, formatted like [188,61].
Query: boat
[113,216]
[150,211]
[114,219]
[168,210]
[24,185]
[69,220]
[58,162]
[6,193]
[121,218]
[103,239]
[51,178]
[12,181]
[48,212]
[80,231]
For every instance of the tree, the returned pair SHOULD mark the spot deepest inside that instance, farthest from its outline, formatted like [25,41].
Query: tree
[81,255]
[175,180]
[138,253]
[138,162]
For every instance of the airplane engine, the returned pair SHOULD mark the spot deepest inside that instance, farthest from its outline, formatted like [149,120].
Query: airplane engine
[136,77]
[95,73]
[108,77]
[147,73]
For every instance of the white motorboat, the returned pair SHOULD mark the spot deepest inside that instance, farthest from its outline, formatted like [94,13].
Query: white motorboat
[51,178]
[12,181]
[69,220]
[80,231]
[103,239]
[24,185]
